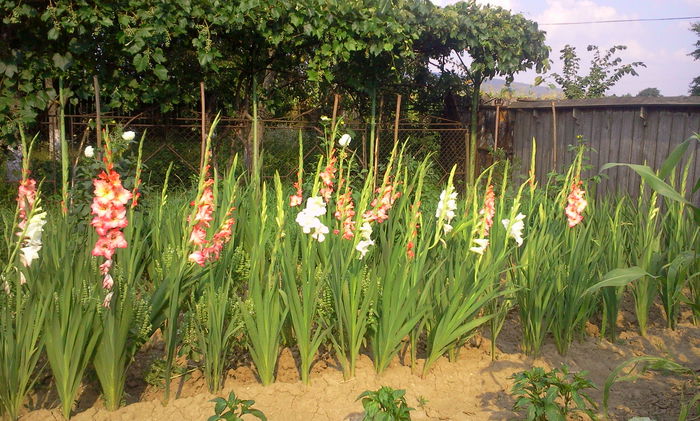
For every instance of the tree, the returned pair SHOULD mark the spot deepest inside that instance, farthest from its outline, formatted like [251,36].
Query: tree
[605,71]
[695,84]
[482,42]
[650,92]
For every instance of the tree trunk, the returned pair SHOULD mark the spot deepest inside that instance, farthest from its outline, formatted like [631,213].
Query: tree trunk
[13,165]
[54,126]
[473,130]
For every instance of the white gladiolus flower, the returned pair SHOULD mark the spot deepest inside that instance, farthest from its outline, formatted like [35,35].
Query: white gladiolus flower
[89,152]
[128,136]
[32,239]
[481,244]
[515,229]
[344,140]
[446,208]
[363,247]
[320,232]
[28,254]
[308,218]
[315,206]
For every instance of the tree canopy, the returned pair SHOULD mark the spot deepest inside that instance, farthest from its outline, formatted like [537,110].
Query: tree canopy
[154,54]
[695,84]
[605,71]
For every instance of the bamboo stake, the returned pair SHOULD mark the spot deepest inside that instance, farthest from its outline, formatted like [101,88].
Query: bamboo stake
[554,136]
[396,119]
[203,145]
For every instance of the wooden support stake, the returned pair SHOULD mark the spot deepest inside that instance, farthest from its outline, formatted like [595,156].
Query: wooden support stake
[203,146]
[554,136]
[396,119]
[336,100]
[495,134]
[98,113]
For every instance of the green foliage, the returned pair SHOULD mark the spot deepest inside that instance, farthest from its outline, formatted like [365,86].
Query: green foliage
[552,395]
[650,92]
[233,409]
[605,71]
[385,404]
[695,84]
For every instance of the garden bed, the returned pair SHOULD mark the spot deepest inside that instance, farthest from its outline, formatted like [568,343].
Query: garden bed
[472,388]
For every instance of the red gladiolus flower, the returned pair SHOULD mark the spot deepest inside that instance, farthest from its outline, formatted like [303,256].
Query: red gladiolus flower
[298,198]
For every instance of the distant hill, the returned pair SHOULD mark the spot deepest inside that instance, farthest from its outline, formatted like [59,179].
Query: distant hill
[518,89]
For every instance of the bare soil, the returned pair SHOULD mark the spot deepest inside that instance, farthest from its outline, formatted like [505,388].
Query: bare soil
[474,387]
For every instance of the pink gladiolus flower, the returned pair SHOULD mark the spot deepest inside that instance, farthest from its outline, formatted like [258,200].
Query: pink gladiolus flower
[345,212]
[575,204]
[489,209]
[203,217]
[109,217]
[198,257]
[382,204]
[107,282]
[327,177]
[105,267]
[107,300]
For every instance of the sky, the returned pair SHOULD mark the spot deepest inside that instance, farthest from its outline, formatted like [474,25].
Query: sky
[663,46]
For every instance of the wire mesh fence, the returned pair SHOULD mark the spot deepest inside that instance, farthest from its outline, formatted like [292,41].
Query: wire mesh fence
[177,140]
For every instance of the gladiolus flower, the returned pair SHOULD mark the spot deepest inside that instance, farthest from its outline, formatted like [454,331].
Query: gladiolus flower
[446,208]
[296,199]
[203,217]
[128,135]
[363,245]
[89,152]
[381,204]
[489,209]
[481,244]
[344,140]
[515,229]
[327,176]
[31,238]
[576,205]
[107,282]
[107,300]
[109,217]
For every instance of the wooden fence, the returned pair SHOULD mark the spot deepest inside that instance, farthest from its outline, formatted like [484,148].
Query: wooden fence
[627,129]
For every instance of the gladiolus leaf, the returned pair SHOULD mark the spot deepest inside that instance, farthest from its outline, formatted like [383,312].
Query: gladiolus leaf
[618,278]
[652,180]
[673,159]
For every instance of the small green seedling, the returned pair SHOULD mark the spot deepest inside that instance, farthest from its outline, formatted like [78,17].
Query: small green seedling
[385,404]
[234,409]
[553,395]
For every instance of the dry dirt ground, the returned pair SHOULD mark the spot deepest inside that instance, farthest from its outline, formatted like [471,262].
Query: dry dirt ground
[472,388]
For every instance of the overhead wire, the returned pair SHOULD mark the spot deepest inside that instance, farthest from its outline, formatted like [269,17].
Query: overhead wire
[622,20]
